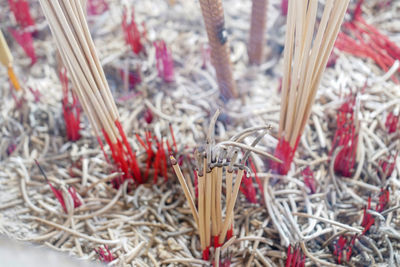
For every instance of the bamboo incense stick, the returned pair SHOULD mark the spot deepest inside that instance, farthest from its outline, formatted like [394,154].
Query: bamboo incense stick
[184,185]
[305,58]
[207,218]
[213,15]
[212,163]
[201,203]
[214,227]
[218,197]
[230,206]
[6,59]
[257,31]
[70,30]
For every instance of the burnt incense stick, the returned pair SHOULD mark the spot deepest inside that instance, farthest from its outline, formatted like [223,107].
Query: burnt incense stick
[6,59]
[229,207]
[185,188]
[201,205]
[214,164]
[257,31]
[213,15]
[305,58]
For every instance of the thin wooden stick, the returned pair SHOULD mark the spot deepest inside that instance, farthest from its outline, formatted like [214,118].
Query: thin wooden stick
[185,188]
[67,23]
[228,187]
[207,219]
[213,196]
[218,199]
[201,203]
[230,206]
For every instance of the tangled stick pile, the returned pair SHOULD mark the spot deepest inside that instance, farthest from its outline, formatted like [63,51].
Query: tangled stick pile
[318,213]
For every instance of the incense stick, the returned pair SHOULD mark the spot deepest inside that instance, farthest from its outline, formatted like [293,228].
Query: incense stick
[213,164]
[71,33]
[257,31]
[230,206]
[185,189]
[213,15]
[6,59]
[305,59]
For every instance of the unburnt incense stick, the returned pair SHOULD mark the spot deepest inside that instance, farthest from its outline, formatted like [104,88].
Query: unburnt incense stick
[305,58]
[213,15]
[257,31]
[6,59]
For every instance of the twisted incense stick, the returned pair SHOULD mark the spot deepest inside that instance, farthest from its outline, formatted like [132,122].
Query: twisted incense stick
[257,31]
[213,15]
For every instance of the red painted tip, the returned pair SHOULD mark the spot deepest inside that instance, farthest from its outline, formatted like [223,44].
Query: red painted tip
[347,138]
[148,116]
[226,263]
[20,9]
[387,165]
[19,101]
[75,198]
[216,242]
[11,148]
[365,41]
[131,32]
[58,194]
[343,248]
[36,94]
[96,7]
[71,111]
[258,180]
[284,7]
[25,40]
[392,122]
[383,200]
[247,188]
[295,257]
[332,60]
[289,256]
[134,78]
[206,254]
[309,179]
[284,152]
[164,61]
[105,254]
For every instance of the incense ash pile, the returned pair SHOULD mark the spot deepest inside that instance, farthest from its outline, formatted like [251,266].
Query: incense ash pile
[157,163]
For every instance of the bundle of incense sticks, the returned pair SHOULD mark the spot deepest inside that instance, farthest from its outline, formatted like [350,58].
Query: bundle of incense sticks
[213,165]
[257,31]
[70,30]
[6,59]
[213,15]
[305,58]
